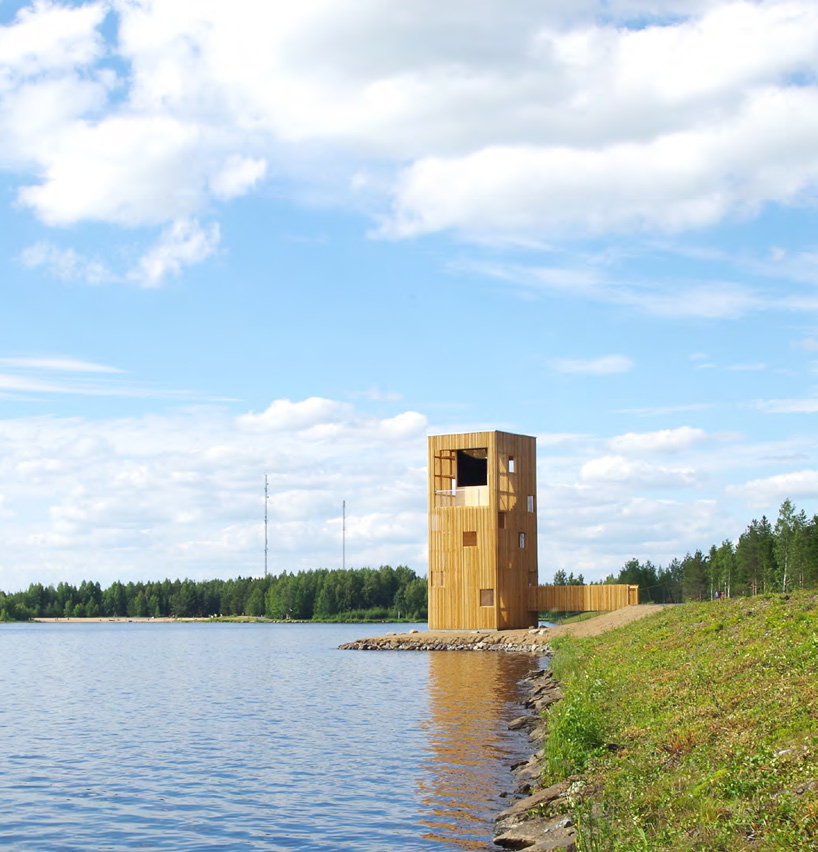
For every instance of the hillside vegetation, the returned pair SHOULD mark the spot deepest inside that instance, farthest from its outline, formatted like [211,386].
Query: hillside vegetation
[694,729]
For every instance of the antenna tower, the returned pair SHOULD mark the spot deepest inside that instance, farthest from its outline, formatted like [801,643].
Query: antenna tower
[266,498]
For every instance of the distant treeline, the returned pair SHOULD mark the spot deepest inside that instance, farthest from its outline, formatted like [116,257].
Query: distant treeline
[767,558]
[356,594]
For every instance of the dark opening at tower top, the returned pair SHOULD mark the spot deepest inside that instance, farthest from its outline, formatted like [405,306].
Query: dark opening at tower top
[472,467]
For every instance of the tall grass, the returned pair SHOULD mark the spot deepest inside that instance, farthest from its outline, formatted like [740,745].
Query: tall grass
[713,710]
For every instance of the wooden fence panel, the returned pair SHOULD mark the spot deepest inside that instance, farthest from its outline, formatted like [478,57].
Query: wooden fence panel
[605,598]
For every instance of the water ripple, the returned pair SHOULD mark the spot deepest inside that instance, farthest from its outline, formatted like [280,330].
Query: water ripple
[190,737]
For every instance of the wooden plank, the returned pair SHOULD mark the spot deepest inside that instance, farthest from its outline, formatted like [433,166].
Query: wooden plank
[602,598]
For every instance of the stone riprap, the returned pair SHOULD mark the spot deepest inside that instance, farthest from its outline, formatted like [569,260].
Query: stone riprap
[527,641]
[540,819]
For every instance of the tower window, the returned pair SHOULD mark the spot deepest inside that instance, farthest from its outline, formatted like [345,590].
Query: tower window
[501,520]
[511,464]
[486,597]
[522,540]
[472,468]
[530,502]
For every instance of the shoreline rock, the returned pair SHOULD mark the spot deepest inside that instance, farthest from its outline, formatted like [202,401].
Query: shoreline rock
[540,820]
[532,640]
[435,645]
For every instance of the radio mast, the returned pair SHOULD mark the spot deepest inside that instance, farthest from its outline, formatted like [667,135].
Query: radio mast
[266,498]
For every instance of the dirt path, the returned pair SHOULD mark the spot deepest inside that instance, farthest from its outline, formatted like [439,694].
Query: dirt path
[523,639]
[607,621]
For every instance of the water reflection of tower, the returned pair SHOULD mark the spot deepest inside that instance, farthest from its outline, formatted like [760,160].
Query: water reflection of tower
[472,698]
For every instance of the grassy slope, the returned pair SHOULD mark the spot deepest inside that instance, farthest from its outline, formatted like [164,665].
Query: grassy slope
[713,712]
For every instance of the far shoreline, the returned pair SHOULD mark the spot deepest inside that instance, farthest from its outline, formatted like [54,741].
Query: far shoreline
[164,619]
[185,619]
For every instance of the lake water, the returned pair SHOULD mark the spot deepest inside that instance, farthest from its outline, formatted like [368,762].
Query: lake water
[123,736]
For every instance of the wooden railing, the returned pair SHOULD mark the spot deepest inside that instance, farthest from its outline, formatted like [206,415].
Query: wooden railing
[603,598]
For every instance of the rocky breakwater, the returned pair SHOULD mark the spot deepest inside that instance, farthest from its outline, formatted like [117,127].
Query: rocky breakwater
[540,819]
[531,641]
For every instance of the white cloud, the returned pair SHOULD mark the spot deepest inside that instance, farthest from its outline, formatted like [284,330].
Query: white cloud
[772,490]
[73,365]
[183,243]
[47,37]
[714,300]
[600,536]
[238,175]
[45,375]
[662,441]
[808,405]
[673,299]
[127,170]
[182,494]
[619,470]
[284,414]
[605,365]
[543,120]
[65,264]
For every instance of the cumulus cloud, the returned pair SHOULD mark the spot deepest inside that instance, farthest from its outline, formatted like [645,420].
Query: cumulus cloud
[548,120]
[48,37]
[773,489]
[600,537]
[126,170]
[182,494]
[285,414]
[603,366]
[662,441]
[238,175]
[180,244]
[615,470]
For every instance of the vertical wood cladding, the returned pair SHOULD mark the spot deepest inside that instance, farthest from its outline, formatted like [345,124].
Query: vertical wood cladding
[476,530]
[603,598]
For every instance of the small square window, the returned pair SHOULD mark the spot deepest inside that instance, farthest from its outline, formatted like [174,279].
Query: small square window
[486,597]
[522,540]
[511,464]
[470,538]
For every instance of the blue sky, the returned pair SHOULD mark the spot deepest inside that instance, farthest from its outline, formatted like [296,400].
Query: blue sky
[295,239]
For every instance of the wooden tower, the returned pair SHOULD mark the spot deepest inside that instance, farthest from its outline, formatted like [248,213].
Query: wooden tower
[482,530]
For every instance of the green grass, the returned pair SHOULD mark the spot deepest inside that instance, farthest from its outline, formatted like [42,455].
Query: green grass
[697,728]
[560,617]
